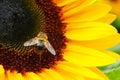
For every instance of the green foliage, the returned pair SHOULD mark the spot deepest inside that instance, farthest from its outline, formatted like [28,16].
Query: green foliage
[112,71]
[116,24]
[116,49]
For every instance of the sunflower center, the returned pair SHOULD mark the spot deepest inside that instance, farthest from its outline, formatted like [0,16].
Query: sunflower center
[21,20]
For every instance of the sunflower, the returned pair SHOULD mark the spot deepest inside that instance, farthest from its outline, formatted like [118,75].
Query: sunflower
[55,40]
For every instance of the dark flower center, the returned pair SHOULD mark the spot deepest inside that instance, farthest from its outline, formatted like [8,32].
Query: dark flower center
[21,20]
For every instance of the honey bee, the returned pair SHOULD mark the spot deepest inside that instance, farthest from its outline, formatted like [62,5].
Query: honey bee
[41,40]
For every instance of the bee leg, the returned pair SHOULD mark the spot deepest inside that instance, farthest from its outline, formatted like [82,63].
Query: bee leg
[39,51]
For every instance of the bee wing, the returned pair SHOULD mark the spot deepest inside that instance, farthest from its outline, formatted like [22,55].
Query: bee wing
[31,42]
[49,47]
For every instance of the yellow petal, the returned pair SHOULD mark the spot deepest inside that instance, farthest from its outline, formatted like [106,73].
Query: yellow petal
[87,57]
[67,75]
[97,71]
[63,2]
[71,26]
[14,76]
[89,13]
[43,76]
[91,31]
[75,7]
[109,18]
[115,5]
[3,77]
[86,60]
[2,73]
[83,71]
[103,43]
[113,54]
[53,74]
[89,73]
[86,51]
[31,76]
[1,70]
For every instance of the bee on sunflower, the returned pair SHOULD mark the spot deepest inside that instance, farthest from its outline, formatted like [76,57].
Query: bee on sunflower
[55,39]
